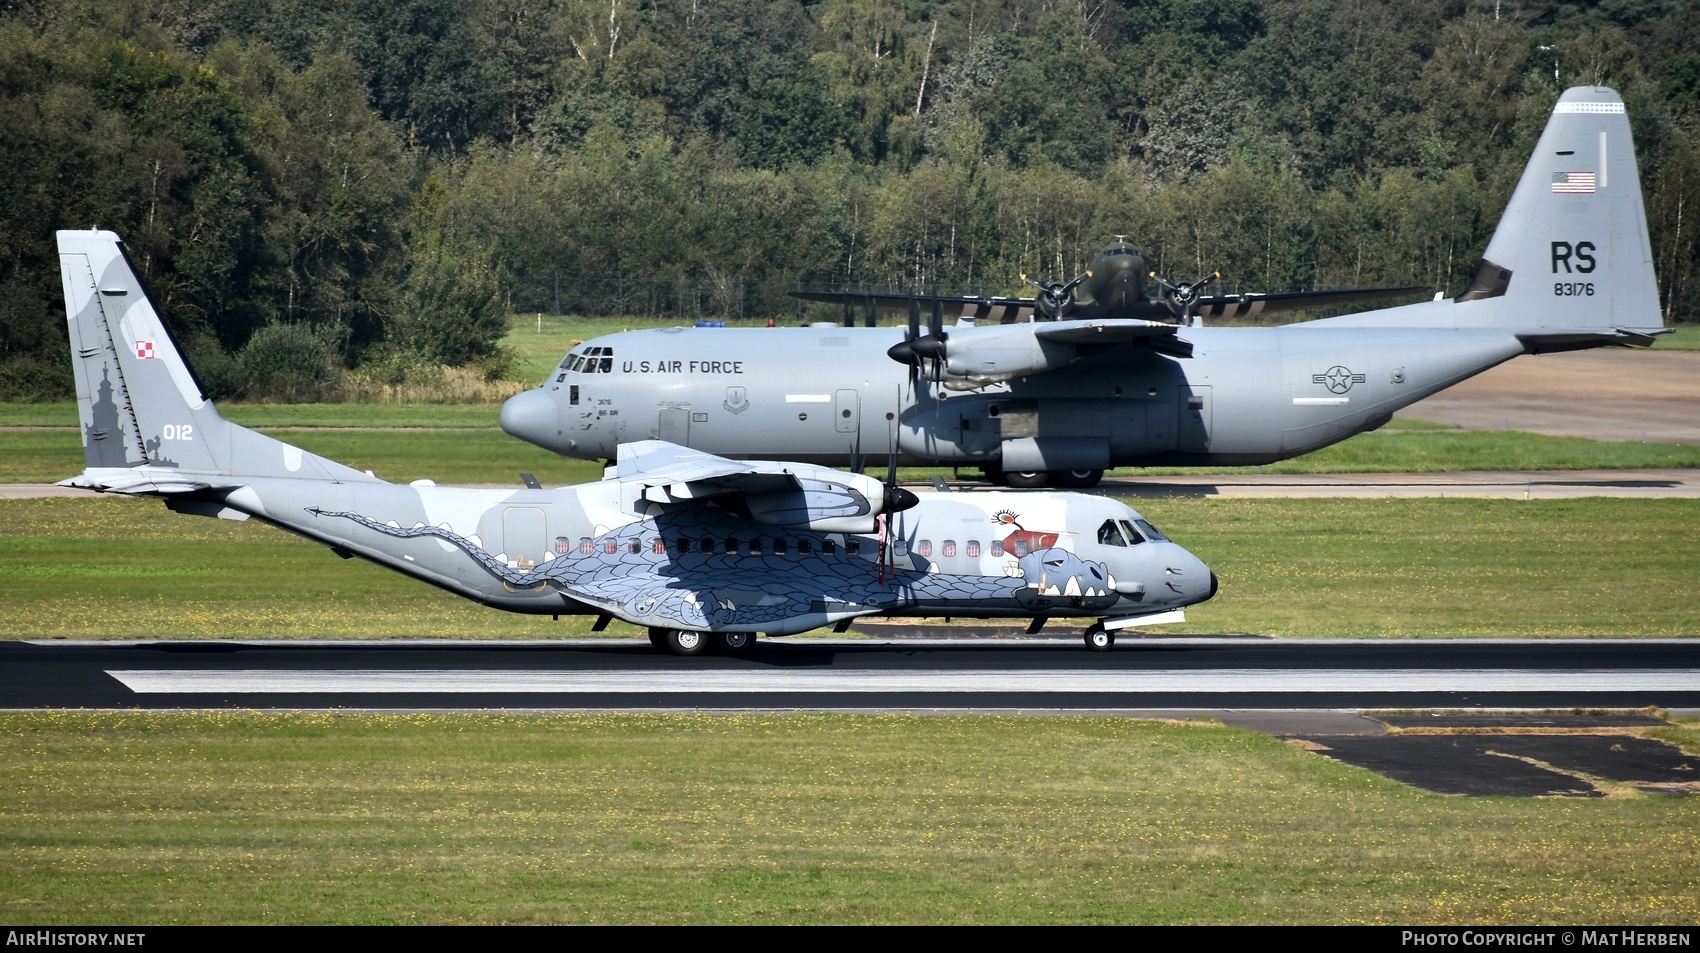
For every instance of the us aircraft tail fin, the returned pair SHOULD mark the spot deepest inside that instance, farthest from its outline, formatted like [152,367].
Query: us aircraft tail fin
[147,427]
[1570,264]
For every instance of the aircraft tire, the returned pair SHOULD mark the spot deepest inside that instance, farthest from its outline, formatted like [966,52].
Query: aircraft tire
[1099,639]
[994,476]
[1076,479]
[658,638]
[687,641]
[734,643]
[1026,479]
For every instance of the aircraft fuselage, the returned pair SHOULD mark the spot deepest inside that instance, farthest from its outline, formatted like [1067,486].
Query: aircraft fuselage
[1246,396]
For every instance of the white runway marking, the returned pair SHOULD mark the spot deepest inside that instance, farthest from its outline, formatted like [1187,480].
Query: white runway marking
[769,681]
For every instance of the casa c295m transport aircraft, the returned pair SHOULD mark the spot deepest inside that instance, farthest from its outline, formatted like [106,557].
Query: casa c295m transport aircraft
[697,549]
[1058,402]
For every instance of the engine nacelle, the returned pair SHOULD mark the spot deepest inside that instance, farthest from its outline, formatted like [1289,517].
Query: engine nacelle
[986,359]
[846,505]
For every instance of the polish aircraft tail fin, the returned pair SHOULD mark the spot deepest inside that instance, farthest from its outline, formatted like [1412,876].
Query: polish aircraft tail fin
[1570,264]
[147,426]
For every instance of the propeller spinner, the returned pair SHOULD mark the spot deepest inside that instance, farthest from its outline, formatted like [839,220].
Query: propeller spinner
[1055,298]
[1183,297]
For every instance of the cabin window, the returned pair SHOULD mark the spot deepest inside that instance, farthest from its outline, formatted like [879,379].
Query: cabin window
[1020,548]
[658,546]
[949,549]
[684,545]
[563,545]
[901,547]
[829,546]
[853,546]
[611,546]
[1111,535]
[973,548]
[634,547]
[805,547]
[997,547]
[572,394]
[923,548]
[755,546]
[585,546]
[780,547]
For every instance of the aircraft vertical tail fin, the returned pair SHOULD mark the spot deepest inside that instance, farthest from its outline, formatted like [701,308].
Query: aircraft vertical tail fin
[147,427]
[1571,250]
[1570,264]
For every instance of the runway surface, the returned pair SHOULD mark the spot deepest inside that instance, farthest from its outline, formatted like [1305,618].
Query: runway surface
[1037,675]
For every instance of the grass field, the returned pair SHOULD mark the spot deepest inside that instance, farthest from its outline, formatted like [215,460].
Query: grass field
[111,568]
[450,446]
[250,818]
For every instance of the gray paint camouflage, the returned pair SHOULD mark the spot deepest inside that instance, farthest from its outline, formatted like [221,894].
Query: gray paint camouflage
[1564,270]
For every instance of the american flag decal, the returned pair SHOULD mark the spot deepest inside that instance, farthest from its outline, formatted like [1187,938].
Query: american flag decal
[1573,183]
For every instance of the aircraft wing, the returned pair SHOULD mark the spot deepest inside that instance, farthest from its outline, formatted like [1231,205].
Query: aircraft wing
[794,495]
[982,308]
[682,473]
[986,309]
[1245,305]
[1103,331]
[1160,336]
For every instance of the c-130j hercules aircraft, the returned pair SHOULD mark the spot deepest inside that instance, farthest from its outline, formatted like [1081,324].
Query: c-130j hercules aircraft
[1058,402]
[695,548]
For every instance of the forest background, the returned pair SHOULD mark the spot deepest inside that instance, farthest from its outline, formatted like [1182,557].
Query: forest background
[320,188]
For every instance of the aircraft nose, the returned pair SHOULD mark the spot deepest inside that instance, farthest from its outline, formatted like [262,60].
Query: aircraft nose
[532,416]
[1196,574]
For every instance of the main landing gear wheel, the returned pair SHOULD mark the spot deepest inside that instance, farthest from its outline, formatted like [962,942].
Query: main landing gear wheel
[1026,479]
[687,641]
[734,643]
[658,638]
[1098,638]
[1076,479]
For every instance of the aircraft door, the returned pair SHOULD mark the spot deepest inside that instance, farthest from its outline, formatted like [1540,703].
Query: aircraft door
[1194,432]
[674,426]
[846,411]
[525,532]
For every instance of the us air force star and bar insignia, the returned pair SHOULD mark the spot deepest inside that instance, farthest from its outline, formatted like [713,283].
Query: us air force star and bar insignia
[737,400]
[1339,379]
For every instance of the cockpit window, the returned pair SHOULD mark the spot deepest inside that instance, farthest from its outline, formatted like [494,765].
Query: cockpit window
[1111,535]
[598,359]
[1133,536]
[1150,531]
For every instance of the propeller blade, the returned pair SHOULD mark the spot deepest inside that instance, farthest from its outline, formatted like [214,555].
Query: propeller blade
[914,320]
[935,326]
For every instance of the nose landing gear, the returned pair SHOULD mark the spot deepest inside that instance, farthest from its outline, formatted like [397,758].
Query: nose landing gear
[1098,638]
